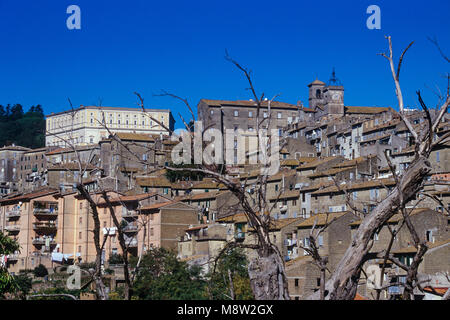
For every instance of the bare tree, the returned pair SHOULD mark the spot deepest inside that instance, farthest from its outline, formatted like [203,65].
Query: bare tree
[344,280]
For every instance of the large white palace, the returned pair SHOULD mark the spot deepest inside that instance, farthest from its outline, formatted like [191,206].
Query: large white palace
[90,124]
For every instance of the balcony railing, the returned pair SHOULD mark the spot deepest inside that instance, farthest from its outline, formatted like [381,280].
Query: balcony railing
[130,213]
[13,213]
[44,225]
[45,212]
[13,257]
[130,228]
[131,243]
[42,241]
[12,228]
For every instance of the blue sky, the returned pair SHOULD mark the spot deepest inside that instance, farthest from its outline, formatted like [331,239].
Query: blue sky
[178,46]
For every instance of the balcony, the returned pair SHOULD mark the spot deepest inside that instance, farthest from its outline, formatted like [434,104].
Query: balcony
[13,228]
[13,213]
[129,213]
[130,228]
[13,257]
[45,212]
[42,241]
[131,242]
[45,226]
[40,254]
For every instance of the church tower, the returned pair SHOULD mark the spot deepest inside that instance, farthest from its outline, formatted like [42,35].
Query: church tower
[334,96]
[316,97]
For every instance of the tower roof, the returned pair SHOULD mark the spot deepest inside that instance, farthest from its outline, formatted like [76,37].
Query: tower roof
[316,82]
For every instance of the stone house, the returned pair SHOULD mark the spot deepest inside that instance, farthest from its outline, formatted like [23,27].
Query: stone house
[168,222]
[9,168]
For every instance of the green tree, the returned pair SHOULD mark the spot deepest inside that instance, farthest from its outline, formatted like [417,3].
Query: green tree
[24,129]
[7,283]
[24,285]
[232,263]
[161,276]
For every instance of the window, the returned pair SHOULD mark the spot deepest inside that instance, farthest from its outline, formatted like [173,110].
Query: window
[318,94]
[429,235]
[81,220]
[236,113]
[212,112]
[265,114]
[151,232]
[296,282]
[320,241]
[250,114]
[80,235]
[306,242]
[279,115]
[437,157]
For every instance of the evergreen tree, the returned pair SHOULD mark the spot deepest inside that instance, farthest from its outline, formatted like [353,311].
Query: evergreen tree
[19,128]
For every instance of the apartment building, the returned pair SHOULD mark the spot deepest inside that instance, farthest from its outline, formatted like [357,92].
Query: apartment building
[90,124]
[32,220]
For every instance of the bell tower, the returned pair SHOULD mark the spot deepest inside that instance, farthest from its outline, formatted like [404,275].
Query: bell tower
[316,96]
[334,96]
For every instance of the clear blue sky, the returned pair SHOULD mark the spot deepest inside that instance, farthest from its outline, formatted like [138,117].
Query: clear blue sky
[146,46]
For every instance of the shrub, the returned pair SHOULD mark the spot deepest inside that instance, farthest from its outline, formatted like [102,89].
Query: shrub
[40,271]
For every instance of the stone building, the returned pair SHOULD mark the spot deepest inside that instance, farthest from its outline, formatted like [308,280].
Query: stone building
[9,169]
[126,155]
[168,222]
[303,275]
[33,170]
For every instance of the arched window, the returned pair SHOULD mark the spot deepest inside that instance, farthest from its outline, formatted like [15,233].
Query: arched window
[318,94]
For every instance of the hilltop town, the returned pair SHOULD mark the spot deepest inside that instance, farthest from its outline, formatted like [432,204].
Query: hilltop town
[337,163]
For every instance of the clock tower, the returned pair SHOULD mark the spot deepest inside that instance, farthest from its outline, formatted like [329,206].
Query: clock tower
[334,96]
